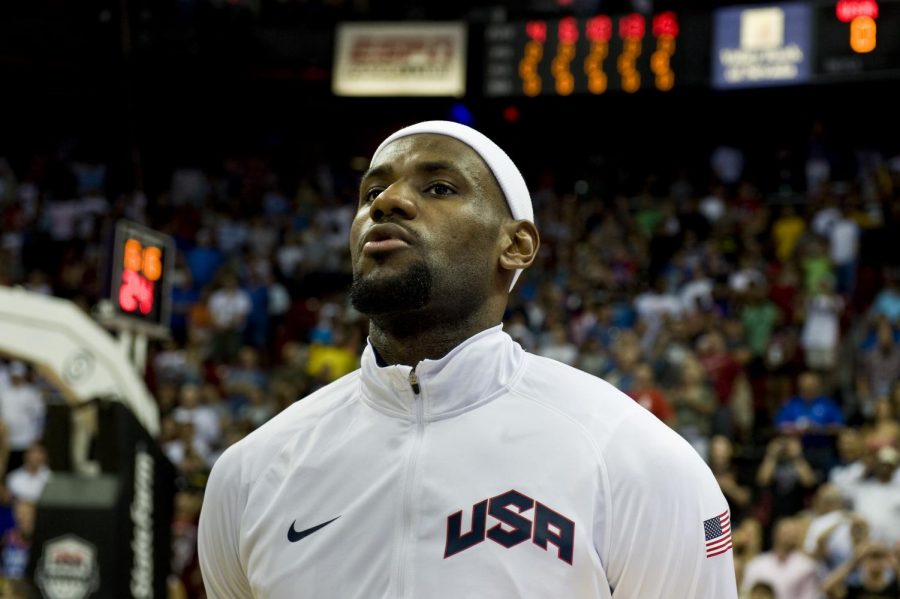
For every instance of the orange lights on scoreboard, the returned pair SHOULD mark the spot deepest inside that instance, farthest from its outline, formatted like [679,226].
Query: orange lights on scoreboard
[631,29]
[596,55]
[140,283]
[567,33]
[861,15]
[534,51]
[141,268]
[599,32]
[665,30]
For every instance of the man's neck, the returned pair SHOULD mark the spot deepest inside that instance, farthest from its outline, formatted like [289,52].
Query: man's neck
[416,338]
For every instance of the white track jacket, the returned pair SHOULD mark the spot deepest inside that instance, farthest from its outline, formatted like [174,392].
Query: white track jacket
[488,473]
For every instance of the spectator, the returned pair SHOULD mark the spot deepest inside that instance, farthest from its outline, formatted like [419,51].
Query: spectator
[723,371]
[27,482]
[747,544]
[184,538]
[828,538]
[787,230]
[646,393]
[815,417]
[790,572]
[727,163]
[654,306]
[292,369]
[206,419]
[816,266]
[258,409]
[694,406]
[626,356]
[759,317]
[204,260]
[850,468]
[786,476]
[242,380]
[883,430]
[878,570]
[229,306]
[185,295]
[821,327]
[15,546]
[333,358]
[843,238]
[762,590]
[877,498]
[887,302]
[738,495]
[878,369]
[556,345]
[22,408]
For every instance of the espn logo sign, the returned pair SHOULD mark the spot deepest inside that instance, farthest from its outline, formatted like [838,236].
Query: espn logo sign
[400,59]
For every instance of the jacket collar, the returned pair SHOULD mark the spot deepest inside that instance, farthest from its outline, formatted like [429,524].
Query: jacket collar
[475,371]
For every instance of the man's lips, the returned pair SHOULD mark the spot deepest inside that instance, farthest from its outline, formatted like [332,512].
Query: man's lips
[385,238]
[385,245]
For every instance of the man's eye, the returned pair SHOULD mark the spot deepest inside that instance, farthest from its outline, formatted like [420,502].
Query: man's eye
[441,189]
[372,194]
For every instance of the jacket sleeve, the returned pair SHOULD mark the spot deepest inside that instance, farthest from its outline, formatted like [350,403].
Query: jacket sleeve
[218,535]
[669,530]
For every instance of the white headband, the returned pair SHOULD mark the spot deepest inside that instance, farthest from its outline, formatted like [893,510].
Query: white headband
[512,184]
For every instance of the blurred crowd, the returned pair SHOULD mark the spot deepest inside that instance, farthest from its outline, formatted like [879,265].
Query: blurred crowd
[762,325]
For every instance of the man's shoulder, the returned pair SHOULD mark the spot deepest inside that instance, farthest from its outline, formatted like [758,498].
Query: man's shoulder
[617,424]
[569,388]
[303,414]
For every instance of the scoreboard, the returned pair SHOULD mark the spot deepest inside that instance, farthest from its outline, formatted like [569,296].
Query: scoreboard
[857,39]
[593,55]
[846,40]
[140,290]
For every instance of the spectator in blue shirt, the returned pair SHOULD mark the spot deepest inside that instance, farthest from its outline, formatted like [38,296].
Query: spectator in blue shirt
[815,418]
[887,302]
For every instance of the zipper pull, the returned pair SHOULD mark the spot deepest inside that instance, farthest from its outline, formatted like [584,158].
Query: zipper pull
[414,381]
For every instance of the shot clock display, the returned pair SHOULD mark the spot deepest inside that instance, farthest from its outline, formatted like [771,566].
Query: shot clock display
[140,289]
[592,55]
[858,39]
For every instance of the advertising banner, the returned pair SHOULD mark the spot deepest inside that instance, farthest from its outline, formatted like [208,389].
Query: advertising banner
[761,46]
[400,59]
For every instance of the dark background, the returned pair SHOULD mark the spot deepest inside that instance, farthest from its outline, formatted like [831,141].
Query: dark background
[146,86]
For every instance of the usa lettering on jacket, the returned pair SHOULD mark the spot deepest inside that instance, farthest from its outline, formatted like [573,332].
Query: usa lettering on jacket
[549,527]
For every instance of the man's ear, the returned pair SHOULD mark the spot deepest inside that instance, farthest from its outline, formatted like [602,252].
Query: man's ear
[521,243]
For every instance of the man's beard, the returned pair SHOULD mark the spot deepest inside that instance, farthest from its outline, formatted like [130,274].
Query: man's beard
[403,292]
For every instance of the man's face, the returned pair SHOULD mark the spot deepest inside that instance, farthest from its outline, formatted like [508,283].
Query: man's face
[426,231]
[809,386]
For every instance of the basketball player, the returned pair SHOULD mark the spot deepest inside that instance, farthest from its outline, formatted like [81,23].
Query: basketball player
[453,464]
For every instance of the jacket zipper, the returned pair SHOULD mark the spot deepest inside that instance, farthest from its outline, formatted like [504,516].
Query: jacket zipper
[414,381]
[409,485]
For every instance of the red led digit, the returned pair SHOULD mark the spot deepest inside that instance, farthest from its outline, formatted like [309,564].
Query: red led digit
[145,296]
[537,30]
[847,10]
[599,28]
[632,27]
[135,293]
[568,30]
[665,23]
[128,291]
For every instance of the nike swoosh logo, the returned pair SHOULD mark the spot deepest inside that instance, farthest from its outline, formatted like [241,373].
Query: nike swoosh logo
[294,536]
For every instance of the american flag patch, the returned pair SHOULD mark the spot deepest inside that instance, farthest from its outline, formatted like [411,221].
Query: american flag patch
[718,534]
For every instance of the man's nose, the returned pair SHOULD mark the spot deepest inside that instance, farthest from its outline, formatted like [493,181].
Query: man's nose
[396,200]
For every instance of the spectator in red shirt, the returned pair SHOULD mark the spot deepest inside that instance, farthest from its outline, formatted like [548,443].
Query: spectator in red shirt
[646,393]
[723,370]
